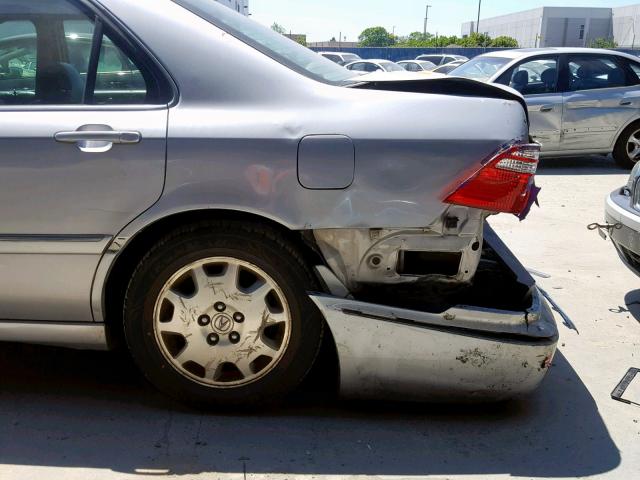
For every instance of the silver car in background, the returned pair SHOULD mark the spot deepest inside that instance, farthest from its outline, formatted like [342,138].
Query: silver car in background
[581,100]
[374,65]
[417,65]
[441,58]
[341,58]
[235,209]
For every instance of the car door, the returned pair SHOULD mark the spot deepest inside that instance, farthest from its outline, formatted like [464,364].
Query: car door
[82,152]
[537,80]
[598,101]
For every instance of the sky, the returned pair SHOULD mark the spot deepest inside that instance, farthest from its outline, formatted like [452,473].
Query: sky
[323,19]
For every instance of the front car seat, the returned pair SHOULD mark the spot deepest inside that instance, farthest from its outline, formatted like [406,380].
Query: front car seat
[60,83]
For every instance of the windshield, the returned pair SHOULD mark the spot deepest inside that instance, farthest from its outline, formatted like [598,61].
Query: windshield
[265,40]
[391,67]
[480,68]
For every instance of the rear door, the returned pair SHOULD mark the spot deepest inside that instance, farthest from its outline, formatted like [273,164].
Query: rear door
[537,80]
[599,100]
[83,120]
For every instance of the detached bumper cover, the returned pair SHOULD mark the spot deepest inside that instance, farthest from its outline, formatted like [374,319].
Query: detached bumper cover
[626,239]
[463,354]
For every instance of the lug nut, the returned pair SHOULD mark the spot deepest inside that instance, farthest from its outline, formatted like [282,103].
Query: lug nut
[204,320]
[238,317]
[234,337]
[220,307]
[213,339]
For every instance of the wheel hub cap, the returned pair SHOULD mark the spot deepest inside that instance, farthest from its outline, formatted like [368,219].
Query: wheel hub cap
[222,322]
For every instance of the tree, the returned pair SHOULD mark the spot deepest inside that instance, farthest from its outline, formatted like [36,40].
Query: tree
[276,27]
[504,41]
[476,40]
[603,43]
[376,37]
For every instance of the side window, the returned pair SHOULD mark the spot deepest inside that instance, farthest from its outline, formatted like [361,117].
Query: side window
[47,57]
[590,72]
[18,62]
[333,58]
[533,77]
[634,76]
[118,80]
[411,67]
[372,67]
[358,67]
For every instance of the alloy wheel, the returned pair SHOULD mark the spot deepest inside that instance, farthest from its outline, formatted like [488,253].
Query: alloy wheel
[222,322]
[633,146]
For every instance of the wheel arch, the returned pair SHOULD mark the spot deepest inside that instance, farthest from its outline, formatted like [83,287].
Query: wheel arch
[616,138]
[109,290]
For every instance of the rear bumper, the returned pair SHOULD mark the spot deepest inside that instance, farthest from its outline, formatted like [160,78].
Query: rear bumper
[392,353]
[626,239]
[462,354]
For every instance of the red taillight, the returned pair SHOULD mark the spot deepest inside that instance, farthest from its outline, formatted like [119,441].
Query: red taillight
[503,184]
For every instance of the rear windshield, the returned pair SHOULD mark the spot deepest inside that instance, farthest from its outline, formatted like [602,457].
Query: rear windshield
[350,58]
[480,68]
[265,40]
[391,67]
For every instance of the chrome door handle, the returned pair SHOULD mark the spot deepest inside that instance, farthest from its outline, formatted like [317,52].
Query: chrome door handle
[547,108]
[113,136]
[97,138]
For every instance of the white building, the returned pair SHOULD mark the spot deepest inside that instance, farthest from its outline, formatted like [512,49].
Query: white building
[626,22]
[240,6]
[550,26]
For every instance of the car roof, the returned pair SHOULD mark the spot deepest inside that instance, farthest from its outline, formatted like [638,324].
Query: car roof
[338,53]
[441,55]
[518,53]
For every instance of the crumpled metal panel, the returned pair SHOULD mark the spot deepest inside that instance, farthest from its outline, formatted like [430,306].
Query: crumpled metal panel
[386,357]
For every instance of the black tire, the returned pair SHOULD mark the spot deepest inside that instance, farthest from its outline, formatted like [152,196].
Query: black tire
[261,246]
[620,154]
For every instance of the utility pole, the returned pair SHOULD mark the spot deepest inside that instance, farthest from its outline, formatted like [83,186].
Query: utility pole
[426,19]
[478,22]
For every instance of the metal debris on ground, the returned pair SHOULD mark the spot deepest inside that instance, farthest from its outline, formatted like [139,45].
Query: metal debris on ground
[623,387]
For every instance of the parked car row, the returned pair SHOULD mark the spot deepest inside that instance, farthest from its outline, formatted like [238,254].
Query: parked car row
[438,63]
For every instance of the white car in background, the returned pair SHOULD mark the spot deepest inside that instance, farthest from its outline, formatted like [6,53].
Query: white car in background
[581,101]
[341,58]
[447,68]
[441,59]
[375,65]
[417,65]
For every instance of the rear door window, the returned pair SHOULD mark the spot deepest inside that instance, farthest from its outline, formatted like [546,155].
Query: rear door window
[633,78]
[59,53]
[18,62]
[592,72]
[118,79]
[533,77]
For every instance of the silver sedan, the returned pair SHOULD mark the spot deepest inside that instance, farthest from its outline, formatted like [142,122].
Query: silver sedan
[581,100]
[235,209]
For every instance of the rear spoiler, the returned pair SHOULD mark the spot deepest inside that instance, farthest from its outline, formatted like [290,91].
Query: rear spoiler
[463,87]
